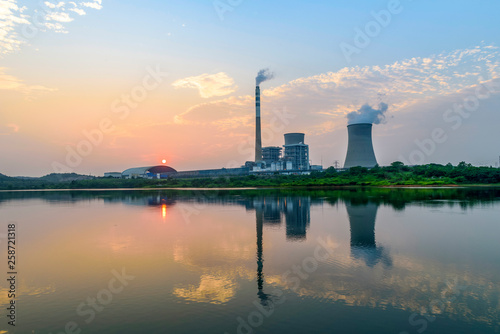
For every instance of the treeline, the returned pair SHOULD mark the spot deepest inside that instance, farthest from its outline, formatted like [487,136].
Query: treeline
[395,174]
[399,174]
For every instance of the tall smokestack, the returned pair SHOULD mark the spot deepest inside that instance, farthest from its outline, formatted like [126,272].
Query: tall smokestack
[258,135]
[360,147]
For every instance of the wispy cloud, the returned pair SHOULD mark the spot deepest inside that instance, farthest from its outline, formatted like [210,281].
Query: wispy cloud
[322,102]
[209,85]
[9,82]
[96,4]
[11,16]
[53,16]
[8,129]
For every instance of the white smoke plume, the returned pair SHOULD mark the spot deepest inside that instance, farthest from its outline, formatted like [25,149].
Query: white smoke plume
[366,114]
[263,75]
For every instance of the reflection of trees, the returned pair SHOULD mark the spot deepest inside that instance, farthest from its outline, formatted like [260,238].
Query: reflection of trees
[397,198]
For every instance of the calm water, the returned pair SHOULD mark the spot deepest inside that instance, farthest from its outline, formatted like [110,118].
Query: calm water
[350,261]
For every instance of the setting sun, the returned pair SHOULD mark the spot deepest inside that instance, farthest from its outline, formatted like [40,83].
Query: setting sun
[164,161]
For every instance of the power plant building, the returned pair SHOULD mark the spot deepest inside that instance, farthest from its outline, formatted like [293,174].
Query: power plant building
[360,146]
[296,151]
[151,172]
[271,154]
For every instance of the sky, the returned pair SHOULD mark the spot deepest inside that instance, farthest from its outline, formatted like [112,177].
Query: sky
[97,86]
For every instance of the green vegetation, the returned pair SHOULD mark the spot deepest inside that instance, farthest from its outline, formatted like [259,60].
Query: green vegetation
[396,174]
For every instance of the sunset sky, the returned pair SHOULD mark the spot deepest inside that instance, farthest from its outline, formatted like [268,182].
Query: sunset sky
[130,83]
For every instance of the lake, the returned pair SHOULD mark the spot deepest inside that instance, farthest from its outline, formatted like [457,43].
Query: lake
[252,261]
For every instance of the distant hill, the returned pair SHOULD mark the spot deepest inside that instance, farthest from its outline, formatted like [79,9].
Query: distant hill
[4,177]
[65,177]
[49,181]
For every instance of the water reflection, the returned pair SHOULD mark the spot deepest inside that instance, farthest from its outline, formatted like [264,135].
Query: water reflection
[263,297]
[217,255]
[362,224]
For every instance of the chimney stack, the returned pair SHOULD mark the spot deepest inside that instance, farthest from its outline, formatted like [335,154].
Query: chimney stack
[258,135]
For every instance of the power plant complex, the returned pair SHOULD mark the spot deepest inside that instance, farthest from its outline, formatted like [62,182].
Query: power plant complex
[292,158]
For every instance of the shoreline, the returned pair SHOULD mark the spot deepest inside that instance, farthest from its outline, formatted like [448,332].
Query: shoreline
[312,187]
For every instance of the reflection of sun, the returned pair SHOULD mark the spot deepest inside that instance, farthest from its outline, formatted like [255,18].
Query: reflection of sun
[164,161]
[164,211]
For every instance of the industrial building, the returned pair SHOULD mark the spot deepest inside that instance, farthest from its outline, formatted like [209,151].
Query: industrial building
[164,172]
[242,171]
[269,159]
[271,154]
[293,158]
[296,151]
[360,146]
[151,172]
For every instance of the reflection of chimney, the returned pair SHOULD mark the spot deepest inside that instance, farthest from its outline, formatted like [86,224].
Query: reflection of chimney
[258,140]
[263,297]
[360,146]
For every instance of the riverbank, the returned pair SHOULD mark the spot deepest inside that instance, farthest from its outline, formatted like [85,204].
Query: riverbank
[396,175]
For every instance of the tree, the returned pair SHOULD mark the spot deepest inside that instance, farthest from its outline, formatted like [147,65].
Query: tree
[330,171]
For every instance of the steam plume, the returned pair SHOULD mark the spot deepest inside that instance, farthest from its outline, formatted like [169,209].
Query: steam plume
[263,75]
[366,114]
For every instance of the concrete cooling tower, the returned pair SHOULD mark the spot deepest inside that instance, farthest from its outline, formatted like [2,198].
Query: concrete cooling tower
[360,146]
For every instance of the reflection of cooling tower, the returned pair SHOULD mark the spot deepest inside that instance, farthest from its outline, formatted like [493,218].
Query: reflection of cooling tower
[360,146]
[362,221]
[363,246]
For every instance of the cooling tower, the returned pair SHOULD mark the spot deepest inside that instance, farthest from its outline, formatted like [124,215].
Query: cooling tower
[360,146]
[294,138]
[258,135]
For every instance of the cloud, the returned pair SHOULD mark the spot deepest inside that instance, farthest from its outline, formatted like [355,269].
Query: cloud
[8,129]
[11,16]
[59,17]
[321,102]
[9,82]
[51,16]
[53,5]
[96,4]
[209,85]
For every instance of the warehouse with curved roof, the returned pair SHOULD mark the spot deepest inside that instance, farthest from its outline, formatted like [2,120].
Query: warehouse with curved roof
[154,172]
